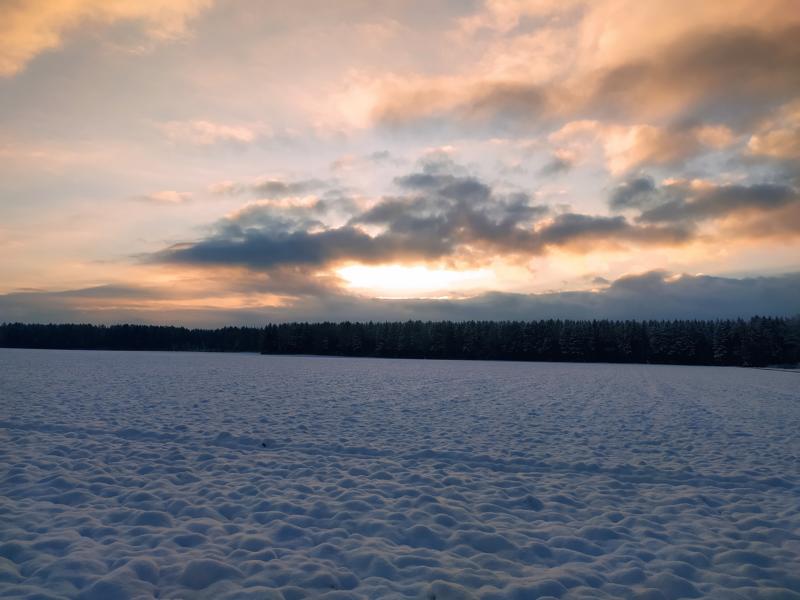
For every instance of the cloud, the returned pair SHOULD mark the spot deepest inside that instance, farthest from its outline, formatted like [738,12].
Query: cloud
[351,162]
[270,187]
[692,107]
[650,295]
[466,211]
[729,74]
[71,305]
[29,28]
[464,102]
[630,146]
[206,133]
[448,212]
[440,215]
[723,67]
[739,211]
[267,247]
[560,162]
[588,231]
[633,193]
[165,197]
[659,294]
[633,146]
[705,202]
[781,223]
[777,143]
[779,135]
[508,102]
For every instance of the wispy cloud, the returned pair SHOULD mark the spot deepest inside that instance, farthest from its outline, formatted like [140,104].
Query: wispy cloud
[269,187]
[165,197]
[205,133]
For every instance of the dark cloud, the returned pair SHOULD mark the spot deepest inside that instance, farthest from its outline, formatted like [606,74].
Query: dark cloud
[422,181]
[634,193]
[464,211]
[446,185]
[442,215]
[459,212]
[758,210]
[555,166]
[271,219]
[705,203]
[704,296]
[270,246]
[577,229]
[653,295]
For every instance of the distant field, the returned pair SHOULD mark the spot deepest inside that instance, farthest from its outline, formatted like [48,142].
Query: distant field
[179,475]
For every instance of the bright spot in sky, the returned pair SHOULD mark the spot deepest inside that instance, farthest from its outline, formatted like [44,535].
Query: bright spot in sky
[408,281]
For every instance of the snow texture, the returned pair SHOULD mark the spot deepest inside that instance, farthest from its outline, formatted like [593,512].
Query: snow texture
[177,476]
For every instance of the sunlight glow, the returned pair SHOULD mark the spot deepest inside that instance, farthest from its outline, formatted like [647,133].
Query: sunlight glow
[409,281]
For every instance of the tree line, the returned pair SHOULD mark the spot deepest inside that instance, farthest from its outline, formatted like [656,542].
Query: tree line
[130,337]
[759,341]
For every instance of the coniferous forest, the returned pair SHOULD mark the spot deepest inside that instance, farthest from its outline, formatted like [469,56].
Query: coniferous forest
[759,341]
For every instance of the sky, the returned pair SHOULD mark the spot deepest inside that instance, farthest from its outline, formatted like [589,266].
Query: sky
[211,162]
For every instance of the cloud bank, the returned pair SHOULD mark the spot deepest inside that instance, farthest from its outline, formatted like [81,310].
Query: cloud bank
[651,295]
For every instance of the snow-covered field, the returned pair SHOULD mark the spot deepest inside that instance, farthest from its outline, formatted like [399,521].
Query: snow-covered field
[139,475]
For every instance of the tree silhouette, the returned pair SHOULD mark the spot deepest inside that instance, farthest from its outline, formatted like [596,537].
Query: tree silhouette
[759,341]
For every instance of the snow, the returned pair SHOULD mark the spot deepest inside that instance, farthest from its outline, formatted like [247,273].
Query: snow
[158,475]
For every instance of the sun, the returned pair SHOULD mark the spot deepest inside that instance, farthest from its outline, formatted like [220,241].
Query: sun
[403,281]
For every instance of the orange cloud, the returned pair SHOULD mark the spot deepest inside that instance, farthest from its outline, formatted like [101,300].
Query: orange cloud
[629,146]
[29,28]
[783,224]
[166,197]
[779,136]
[605,58]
